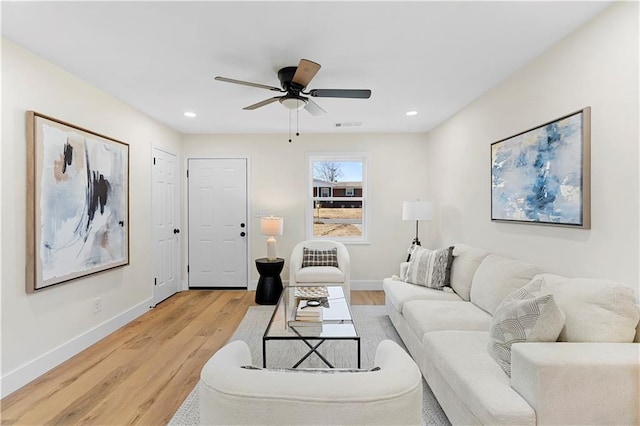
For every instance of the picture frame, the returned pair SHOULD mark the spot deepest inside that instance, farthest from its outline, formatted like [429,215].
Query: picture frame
[542,176]
[77,202]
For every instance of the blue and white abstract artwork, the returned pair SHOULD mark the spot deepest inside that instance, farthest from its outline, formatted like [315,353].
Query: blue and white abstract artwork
[538,176]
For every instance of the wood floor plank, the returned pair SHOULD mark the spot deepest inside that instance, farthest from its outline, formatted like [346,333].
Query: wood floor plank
[141,373]
[367,298]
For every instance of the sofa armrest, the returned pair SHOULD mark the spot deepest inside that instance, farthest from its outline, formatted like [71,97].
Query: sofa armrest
[579,383]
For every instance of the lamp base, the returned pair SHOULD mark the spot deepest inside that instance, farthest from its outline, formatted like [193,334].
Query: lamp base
[415,242]
[272,253]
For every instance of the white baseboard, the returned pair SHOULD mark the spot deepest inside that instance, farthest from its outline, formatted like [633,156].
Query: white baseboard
[357,285]
[361,285]
[33,369]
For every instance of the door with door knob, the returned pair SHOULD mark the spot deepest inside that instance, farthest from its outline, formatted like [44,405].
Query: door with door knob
[217,223]
[165,218]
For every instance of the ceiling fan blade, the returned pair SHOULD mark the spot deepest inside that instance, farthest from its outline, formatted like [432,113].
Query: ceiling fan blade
[314,108]
[341,93]
[305,72]
[263,103]
[246,83]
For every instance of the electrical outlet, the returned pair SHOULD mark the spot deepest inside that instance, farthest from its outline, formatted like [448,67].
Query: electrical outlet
[97,305]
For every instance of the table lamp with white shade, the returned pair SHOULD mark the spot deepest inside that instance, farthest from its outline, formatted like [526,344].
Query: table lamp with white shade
[417,210]
[271,226]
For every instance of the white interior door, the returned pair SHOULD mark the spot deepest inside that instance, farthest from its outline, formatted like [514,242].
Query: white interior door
[217,222]
[166,247]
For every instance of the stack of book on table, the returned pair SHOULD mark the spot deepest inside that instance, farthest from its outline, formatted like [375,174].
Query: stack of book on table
[307,307]
[308,314]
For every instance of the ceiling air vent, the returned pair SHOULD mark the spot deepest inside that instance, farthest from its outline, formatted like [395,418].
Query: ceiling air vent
[349,124]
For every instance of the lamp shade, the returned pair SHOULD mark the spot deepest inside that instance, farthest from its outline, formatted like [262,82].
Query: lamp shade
[271,225]
[417,210]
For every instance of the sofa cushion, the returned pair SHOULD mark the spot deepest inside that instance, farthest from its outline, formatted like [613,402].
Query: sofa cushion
[498,276]
[479,382]
[465,263]
[596,310]
[424,316]
[398,292]
[319,274]
[528,314]
[430,268]
[313,257]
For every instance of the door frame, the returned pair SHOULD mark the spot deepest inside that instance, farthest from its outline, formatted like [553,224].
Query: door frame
[185,201]
[178,220]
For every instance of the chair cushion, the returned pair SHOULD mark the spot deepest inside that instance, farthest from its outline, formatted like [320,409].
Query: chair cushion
[319,274]
[498,276]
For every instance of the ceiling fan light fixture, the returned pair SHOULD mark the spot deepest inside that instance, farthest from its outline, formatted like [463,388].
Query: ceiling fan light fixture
[293,102]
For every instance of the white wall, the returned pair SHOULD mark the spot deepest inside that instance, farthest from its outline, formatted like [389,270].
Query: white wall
[42,329]
[278,173]
[597,66]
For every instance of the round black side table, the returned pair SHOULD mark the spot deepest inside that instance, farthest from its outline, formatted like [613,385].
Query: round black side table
[270,283]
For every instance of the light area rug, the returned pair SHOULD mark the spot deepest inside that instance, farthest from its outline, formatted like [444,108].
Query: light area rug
[373,325]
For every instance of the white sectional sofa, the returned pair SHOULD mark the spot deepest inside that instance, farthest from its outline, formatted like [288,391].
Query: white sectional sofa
[591,375]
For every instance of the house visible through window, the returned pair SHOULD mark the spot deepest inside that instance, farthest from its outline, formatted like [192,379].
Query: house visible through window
[337,202]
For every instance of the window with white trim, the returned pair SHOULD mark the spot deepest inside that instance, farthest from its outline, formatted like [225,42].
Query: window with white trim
[337,203]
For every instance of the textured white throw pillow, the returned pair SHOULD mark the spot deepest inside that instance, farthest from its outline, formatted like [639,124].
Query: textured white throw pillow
[430,268]
[529,314]
[597,310]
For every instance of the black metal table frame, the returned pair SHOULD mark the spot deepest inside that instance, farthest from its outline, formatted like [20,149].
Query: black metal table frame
[306,339]
[312,348]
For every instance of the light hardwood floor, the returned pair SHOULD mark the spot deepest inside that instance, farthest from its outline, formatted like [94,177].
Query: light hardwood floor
[141,373]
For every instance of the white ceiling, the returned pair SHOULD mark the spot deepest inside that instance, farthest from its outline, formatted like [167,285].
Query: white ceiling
[161,57]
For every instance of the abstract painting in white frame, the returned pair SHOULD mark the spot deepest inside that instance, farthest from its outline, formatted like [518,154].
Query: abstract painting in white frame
[542,176]
[77,202]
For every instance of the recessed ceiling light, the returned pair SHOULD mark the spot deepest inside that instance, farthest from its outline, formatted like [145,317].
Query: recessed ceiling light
[189,114]
[412,113]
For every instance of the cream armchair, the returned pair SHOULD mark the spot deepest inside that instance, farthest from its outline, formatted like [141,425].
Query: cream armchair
[232,395]
[316,275]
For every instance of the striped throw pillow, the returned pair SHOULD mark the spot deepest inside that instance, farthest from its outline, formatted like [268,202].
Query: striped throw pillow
[430,268]
[319,257]
[529,314]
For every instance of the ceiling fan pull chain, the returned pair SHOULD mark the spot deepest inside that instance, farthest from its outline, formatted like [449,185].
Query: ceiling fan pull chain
[298,122]
[289,126]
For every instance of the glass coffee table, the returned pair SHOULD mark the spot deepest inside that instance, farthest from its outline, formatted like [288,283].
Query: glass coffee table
[336,323]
